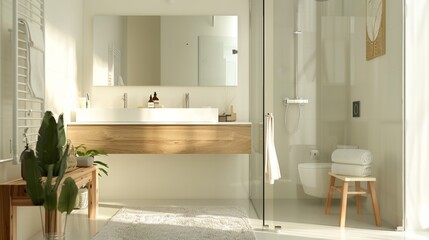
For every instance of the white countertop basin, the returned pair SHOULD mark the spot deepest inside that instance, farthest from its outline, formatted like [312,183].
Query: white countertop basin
[148,115]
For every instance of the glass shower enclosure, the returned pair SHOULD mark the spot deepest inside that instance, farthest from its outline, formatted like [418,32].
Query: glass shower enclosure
[308,68]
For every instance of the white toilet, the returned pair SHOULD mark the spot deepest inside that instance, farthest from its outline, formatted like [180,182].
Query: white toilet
[314,176]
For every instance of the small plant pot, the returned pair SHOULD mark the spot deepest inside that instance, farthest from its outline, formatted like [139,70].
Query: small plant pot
[85,161]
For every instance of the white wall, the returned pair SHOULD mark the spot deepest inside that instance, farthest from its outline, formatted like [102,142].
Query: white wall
[378,85]
[229,178]
[63,58]
[417,115]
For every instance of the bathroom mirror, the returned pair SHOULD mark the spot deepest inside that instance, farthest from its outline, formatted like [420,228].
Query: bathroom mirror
[165,50]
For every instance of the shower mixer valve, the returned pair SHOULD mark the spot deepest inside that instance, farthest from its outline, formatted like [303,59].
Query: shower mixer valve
[295,101]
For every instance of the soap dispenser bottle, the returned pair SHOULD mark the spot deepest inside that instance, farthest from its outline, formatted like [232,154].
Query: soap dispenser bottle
[155,100]
[150,103]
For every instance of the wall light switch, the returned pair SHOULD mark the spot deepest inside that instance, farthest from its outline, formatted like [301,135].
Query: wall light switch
[356,109]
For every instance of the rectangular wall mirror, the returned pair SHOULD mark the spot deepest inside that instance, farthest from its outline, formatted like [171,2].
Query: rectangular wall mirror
[165,50]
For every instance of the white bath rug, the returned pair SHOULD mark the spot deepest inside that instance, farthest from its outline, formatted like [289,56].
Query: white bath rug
[177,223]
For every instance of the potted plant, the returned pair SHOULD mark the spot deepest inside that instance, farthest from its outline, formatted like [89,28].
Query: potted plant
[83,153]
[44,172]
[85,158]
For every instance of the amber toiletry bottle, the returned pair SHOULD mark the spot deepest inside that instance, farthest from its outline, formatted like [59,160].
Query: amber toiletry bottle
[155,100]
[150,103]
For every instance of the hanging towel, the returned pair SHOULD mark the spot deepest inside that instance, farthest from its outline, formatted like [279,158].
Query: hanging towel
[36,35]
[37,73]
[272,169]
[352,156]
[351,169]
[35,59]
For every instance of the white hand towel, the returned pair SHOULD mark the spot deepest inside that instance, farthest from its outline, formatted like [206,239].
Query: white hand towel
[36,35]
[272,169]
[351,169]
[352,156]
[37,73]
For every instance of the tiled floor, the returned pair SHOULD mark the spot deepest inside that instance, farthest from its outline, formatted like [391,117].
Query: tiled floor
[299,220]
[311,211]
[305,219]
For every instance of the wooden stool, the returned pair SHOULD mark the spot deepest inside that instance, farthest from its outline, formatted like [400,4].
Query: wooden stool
[358,192]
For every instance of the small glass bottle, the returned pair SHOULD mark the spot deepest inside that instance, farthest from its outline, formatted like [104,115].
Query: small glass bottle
[150,103]
[155,100]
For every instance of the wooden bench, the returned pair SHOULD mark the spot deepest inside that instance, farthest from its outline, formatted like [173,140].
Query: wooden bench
[344,189]
[13,194]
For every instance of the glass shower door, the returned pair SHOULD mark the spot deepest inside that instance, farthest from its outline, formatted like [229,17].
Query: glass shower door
[314,68]
[256,110]
[307,79]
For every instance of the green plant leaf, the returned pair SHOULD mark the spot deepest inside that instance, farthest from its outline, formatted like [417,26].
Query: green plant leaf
[103,170]
[50,191]
[101,163]
[80,150]
[45,121]
[62,167]
[32,177]
[47,142]
[83,151]
[94,152]
[51,201]
[61,132]
[68,196]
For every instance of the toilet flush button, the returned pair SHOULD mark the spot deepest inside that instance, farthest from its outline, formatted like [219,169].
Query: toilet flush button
[314,154]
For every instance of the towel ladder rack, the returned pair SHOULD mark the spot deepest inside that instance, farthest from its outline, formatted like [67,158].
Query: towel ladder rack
[28,110]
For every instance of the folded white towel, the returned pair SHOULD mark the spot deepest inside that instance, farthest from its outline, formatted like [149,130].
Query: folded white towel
[351,169]
[352,156]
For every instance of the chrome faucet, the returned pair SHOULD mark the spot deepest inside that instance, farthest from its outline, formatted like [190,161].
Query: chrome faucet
[186,100]
[125,99]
